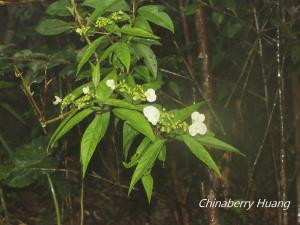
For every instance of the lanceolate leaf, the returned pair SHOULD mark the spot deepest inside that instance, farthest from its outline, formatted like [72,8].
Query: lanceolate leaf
[59,8]
[91,138]
[134,31]
[146,162]
[129,134]
[113,4]
[183,114]
[136,120]
[90,51]
[108,52]
[215,143]
[200,152]
[68,124]
[154,85]
[123,53]
[120,103]
[53,26]
[150,60]
[104,6]
[138,154]
[96,74]
[154,14]
[147,181]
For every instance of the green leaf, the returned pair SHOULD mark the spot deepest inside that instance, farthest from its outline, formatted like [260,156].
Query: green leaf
[95,74]
[163,154]
[104,6]
[183,114]
[67,124]
[90,51]
[147,181]
[146,162]
[230,5]
[136,120]
[53,27]
[138,154]
[102,90]
[200,152]
[108,52]
[175,88]
[120,103]
[113,5]
[91,138]
[129,134]
[59,8]
[134,31]
[154,85]
[142,72]
[215,143]
[123,53]
[150,60]
[154,14]
[217,18]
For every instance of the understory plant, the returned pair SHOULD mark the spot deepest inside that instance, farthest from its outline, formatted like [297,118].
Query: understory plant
[122,85]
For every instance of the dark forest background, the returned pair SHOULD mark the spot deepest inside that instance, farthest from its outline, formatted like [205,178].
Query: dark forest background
[241,56]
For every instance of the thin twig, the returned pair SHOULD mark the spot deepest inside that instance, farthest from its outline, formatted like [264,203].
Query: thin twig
[58,219]
[82,202]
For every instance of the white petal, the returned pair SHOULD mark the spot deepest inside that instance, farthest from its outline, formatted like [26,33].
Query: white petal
[193,130]
[57,100]
[150,95]
[152,114]
[111,84]
[203,129]
[86,90]
[196,116]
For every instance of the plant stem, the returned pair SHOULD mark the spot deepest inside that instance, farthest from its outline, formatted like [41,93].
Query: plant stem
[3,204]
[58,219]
[82,202]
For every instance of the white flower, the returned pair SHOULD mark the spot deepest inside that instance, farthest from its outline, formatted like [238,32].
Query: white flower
[150,95]
[197,117]
[79,31]
[57,100]
[111,84]
[197,128]
[86,90]
[152,114]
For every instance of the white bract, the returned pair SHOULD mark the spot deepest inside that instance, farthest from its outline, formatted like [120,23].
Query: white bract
[78,31]
[197,117]
[86,90]
[150,95]
[197,128]
[57,100]
[111,84]
[152,114]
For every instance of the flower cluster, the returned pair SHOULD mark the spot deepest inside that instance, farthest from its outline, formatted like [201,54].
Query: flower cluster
[103,22]
[82,31]
[164,120]
[70,99]
[106,22]
[137,93]
[116,16]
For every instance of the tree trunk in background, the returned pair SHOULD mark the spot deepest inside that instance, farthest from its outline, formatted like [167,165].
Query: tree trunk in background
[212,214]
[296,124]
[281,111]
